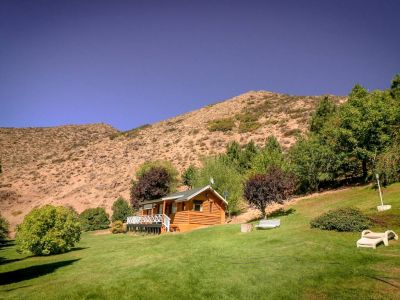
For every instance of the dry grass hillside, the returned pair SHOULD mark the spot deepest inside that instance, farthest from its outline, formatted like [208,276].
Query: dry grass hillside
[91,165]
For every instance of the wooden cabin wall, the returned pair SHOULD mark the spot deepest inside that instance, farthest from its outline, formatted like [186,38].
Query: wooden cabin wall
[205,217]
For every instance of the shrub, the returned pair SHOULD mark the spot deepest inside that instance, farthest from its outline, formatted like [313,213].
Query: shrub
[94,219]
[342,219]
[48,230]
[121,210]
[162,164]
[221,125]
[117,227]
[3,229]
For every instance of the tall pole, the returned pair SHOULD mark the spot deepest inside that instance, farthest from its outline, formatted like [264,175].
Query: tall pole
[379,187]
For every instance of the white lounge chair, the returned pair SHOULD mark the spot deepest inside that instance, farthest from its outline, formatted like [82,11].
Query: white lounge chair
[386,236]
[266,224]
[369,243]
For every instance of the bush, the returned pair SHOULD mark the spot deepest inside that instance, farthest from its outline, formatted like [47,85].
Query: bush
[117,227]
[3,229]
[48,230]
[221,125]
[342,219]
[94,219]
[121,210]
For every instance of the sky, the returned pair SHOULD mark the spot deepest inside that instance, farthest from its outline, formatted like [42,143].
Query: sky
[129,63]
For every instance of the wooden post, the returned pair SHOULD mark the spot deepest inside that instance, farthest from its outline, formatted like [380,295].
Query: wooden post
[246,227]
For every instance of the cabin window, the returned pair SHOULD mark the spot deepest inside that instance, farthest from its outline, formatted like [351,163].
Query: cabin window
[211,206]
[160,207]
[183,206]
[173,208]
[198,205]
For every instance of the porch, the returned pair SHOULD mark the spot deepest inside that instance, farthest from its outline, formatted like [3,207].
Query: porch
[149,223]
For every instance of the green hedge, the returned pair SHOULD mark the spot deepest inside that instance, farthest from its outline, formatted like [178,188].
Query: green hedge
[342,219]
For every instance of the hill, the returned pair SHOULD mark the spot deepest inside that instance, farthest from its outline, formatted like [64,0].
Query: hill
[91,165]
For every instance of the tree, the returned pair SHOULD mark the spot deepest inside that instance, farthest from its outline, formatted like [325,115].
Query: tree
[270,156]
[240,157]
[154,184]
[263,189]
[388,164]
[325,109]
[121,210]
[226,179]
[161,164]
[362,127]
[189,176]
[313,163]
[4,229]
[94,219]
[395,87]
[48,230]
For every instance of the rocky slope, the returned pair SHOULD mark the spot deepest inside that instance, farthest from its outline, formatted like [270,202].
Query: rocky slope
[91,165]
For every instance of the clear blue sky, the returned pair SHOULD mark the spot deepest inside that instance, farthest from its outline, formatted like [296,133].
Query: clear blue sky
[128,63]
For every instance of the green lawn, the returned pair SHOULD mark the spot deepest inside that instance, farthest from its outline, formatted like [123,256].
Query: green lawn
[290,262]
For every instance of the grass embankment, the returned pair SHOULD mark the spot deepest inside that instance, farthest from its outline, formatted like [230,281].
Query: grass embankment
[290,262]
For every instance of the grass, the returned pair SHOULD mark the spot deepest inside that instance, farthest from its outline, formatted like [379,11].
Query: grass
[291,262]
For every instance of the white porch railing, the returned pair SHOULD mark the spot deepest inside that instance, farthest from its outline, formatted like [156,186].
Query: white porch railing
[159,218]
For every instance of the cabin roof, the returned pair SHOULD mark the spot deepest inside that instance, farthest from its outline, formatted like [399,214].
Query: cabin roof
[187,195]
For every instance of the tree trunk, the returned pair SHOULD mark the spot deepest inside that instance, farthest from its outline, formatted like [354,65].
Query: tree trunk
[364,169]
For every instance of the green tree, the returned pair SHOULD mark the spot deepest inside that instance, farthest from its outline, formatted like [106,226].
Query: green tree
[313,163]
[94,219]
[395,87]
[362,128]
[4,229]
[325,109]
[189,176]
[48,230]
[226,179]
[121,210]
[270,156]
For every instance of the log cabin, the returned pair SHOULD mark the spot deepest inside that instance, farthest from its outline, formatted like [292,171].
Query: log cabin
[180,211]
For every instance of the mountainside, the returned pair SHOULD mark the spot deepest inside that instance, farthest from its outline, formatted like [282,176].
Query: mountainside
[91,165]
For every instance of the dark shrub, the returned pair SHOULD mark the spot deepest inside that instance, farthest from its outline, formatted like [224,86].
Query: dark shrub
[342,219]
[94,219]
[48,230]
[3,228]
[121,210]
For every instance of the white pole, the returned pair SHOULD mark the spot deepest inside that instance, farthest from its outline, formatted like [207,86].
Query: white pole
[379,187]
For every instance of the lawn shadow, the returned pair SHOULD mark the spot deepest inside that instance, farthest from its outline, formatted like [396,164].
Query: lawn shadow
[4,261]
[281,212]
[33,271]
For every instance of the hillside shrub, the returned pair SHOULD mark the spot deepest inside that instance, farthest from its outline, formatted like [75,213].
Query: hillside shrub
[94,219]
[221,125]
[161,164]
[117,227]
[48,230]
[4,229]
[189,176]
[121,210]
[342,219]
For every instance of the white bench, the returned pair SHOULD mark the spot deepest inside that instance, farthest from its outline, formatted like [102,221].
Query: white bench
[266,224]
